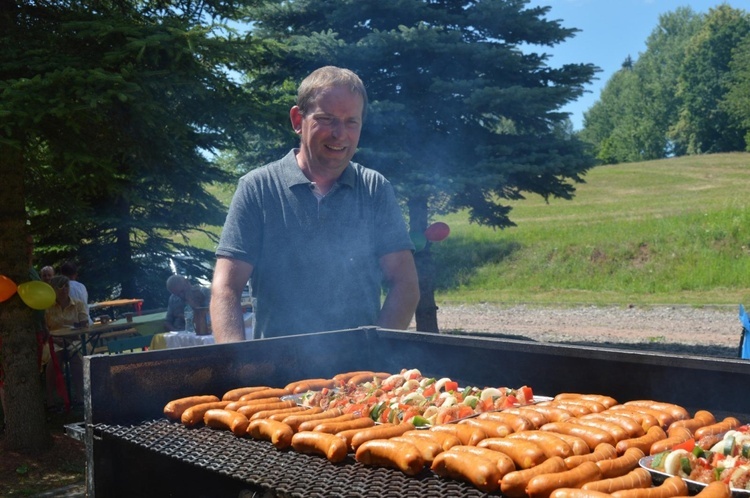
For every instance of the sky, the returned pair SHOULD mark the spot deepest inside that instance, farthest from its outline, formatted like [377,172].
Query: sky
[610,30]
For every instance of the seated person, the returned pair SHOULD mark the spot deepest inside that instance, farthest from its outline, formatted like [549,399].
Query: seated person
[180,289]
[66,312]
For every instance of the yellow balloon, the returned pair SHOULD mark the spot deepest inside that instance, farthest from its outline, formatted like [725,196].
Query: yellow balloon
[7,288]
[37,295]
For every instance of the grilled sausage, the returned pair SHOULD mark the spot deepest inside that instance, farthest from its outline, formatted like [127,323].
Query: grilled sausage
[279,433]
[312,424]
[616,467]
[194,415]
[725,425]
[676,435]
[542,485]
[279,413]
[235,394]
[577,493]
[467,434]
[501,460]
[428,448]
[654,434]
[175,408]
[393,454]
[302,386]
[646,420]
[226,420]
[250,410]
[550,444]
[525,454]
[591,435]
[672,486]
[265,393]
[380,432]
[615,430]
[537,418]
[320,443]
[601,452]
[446,440]
[631,426]
[517,422]
[491,428]
[235,405]
[676,411]
[336,427]
[349,434]
[700,419]
[477,470]
[716,489]
[636,478]
[295,420]
[513,484]
[606,401]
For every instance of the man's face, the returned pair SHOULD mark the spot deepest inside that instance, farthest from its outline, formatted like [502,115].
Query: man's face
[47,273]
[329,131]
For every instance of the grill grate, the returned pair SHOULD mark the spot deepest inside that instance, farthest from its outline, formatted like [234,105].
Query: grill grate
[285,473]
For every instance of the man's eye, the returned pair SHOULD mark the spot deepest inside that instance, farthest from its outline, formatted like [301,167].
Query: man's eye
[325,120]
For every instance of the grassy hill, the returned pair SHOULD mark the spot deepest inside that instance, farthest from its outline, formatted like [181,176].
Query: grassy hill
[675,231]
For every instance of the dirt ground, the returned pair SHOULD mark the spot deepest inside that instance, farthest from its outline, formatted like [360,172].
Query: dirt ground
[708,330]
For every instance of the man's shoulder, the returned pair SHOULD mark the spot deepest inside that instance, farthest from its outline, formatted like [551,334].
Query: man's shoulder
[274,169]
[75,284]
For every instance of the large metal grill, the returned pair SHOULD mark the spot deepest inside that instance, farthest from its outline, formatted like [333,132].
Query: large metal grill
[133,451]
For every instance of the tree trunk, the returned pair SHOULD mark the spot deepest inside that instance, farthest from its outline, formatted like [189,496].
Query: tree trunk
[24,407]
[426,314]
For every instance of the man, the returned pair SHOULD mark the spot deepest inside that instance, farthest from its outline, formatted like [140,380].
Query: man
[78,291]
[316,233]
[47,272]
[180,290]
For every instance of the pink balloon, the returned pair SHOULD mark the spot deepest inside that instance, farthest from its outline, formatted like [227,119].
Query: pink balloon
[437,231]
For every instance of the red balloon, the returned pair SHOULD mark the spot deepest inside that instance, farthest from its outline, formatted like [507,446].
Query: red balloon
[7,288]
[437,231]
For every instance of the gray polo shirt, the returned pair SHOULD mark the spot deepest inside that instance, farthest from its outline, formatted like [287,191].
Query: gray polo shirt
[315,263]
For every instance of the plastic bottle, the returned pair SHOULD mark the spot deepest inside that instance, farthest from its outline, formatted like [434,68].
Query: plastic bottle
[189,322]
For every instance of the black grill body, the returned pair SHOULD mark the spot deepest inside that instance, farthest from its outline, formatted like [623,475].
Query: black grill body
[133,450]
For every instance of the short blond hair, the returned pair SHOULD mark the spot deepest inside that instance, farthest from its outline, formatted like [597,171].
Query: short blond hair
[327,77]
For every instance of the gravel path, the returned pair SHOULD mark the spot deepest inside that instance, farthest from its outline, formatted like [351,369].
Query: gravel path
[705,331]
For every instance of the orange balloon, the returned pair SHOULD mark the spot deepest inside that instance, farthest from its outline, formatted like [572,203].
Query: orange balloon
[7,288]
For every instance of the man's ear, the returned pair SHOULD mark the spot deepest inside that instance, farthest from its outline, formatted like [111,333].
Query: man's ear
[295,115]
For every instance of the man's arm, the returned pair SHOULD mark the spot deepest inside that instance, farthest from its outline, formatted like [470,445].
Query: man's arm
[230,277]
[403,294]
[170,317]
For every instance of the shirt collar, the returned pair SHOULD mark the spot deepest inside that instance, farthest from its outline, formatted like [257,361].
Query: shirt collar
[293,175]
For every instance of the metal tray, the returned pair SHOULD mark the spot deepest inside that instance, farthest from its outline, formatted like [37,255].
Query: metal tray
[694,486]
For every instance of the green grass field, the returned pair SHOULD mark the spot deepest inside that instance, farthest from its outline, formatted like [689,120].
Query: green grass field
[675,231]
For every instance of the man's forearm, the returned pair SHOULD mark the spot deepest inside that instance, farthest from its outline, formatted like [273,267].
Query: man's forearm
[398,308]
[226,317]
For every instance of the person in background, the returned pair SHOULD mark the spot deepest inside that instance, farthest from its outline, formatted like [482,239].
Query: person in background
[78,291]
[66,312]
[180,290]
[47,272]
[316,233]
